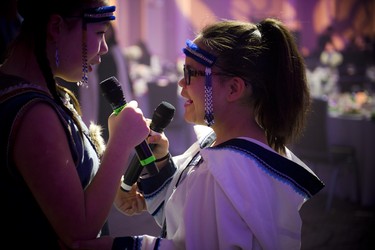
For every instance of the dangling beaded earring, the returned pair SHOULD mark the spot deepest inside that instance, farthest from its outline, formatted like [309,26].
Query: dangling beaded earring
[85,78]
[57,58]
[208,106]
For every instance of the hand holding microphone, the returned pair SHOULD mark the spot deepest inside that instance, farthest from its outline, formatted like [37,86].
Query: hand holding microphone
[163,115]
[161,118]
[112,91]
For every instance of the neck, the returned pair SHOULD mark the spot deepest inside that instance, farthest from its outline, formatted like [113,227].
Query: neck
[250,130]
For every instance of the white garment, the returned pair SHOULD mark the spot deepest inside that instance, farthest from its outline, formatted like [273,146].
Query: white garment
[230,201]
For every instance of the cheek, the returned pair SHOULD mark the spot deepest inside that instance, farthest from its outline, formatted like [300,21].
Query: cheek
[196,93]
[70,51]
[94,41]
[219,99]
[93,46]
[70,57]
[198,100]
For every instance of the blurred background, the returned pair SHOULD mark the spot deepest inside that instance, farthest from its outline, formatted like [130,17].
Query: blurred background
[337,40]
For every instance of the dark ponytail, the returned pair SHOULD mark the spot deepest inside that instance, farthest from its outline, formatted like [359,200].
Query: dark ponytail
[283,111]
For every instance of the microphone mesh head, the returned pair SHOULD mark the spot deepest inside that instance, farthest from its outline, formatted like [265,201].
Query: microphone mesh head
[162,116]
[112,91]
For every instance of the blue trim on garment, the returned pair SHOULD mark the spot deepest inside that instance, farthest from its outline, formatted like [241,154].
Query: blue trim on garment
[158,209]
[207,140]
[127,242]
[152,185]
[281,168]
[121,243]
[157,244]
[132,243]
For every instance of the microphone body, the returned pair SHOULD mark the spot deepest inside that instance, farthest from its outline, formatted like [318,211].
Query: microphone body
[161,118]
[112,91]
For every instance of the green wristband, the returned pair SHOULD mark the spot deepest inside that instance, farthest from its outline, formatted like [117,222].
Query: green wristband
[148,160]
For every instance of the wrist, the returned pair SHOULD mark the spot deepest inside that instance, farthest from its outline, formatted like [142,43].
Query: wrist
[167,156]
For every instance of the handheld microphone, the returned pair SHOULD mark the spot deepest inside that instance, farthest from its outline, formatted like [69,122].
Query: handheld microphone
[161,118]
[112,91]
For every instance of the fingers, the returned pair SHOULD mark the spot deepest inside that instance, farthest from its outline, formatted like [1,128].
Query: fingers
[128,126]
[139,205]
[130,203]
[154,137]
[161,144]
[133,104]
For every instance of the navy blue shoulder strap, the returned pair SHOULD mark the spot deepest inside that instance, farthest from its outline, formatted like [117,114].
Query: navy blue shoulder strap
[279,166]
[12,105]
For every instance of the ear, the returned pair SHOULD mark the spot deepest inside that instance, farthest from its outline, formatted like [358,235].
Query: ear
[54,27]
[236,89]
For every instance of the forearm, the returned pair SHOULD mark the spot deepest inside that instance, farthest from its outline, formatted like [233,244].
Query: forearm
[155,188]
[100,193]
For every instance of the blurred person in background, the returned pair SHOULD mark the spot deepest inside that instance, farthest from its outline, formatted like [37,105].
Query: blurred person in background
[10,22]
[144,67]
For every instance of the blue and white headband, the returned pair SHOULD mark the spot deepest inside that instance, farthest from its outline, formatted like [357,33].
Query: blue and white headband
[99,14]
[208,60]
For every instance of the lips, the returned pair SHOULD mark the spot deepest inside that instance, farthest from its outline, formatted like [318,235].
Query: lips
[188,102]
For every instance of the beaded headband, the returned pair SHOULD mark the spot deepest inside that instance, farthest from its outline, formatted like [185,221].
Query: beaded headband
[100,14]
[208,60]
[198,54]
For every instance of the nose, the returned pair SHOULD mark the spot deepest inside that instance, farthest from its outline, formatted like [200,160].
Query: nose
[103,47]
[182,82]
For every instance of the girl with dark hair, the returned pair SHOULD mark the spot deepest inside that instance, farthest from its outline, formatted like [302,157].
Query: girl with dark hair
[57,182]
